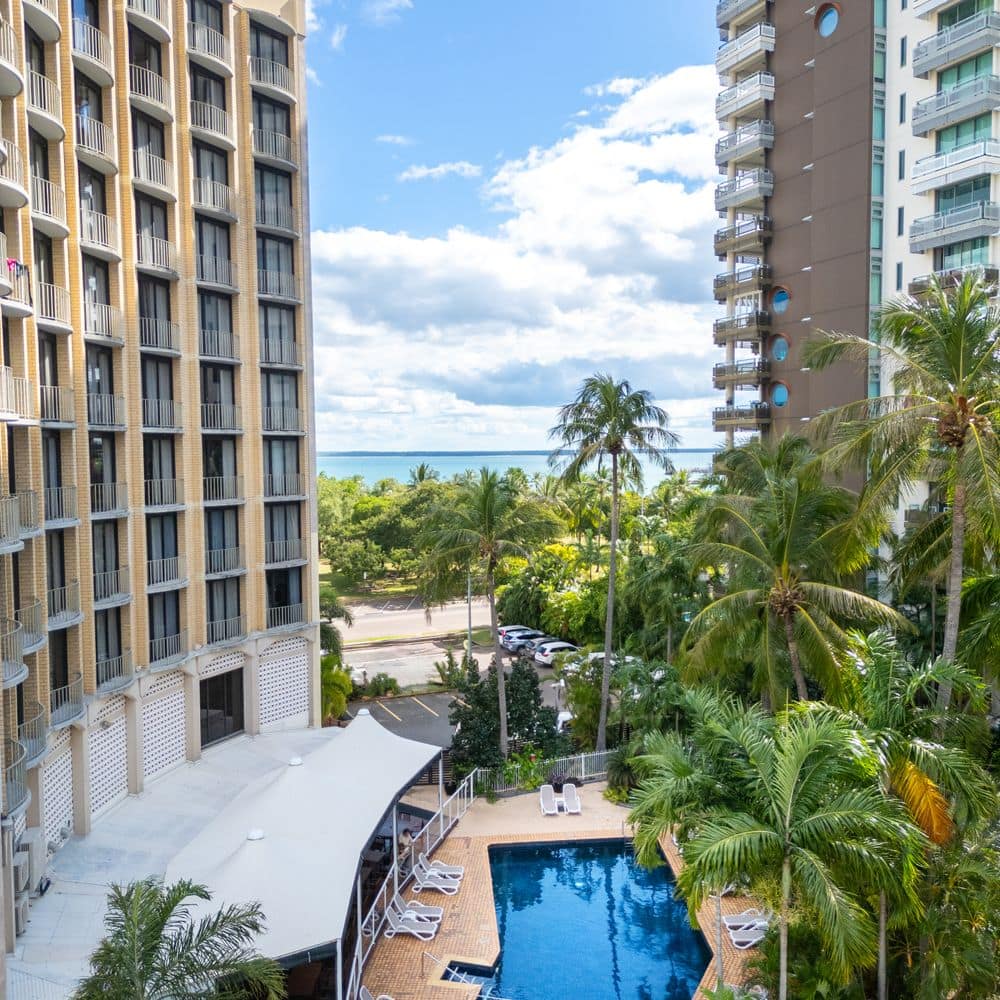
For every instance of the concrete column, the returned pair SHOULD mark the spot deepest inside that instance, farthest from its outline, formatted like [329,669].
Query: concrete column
[192,716]
[79,747]
[134,738]
[251,691]
[7,927]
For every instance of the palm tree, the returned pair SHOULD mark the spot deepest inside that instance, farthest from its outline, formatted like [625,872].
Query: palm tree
[423,473]
[940,421]
[609,421]
[786,539]
[332,608]
[153,948]
[485,521]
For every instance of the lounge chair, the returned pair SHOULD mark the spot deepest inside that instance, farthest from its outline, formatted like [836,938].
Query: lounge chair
[422,929]
[439,883]
[419,910]
[748,937]
[735,921]
[440,866]
[547,801]
[366,994]
[571,800]
[428,869]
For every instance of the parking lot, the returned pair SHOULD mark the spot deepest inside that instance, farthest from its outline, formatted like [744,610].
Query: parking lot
[423,718]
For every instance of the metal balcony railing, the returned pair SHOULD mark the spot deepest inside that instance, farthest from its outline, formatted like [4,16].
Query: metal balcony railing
[221,417]
[269,73]
[277,283]
[48,199]
[968,222]
[214,196]
[64,603]
[95,136]
[99,230]
[108,498]
[104,409]
[11,649]
[227,631]
[159,334]
[66,702]
[283,418]
[168,647]
[212,119]
[92,43]
[749,372]
[751,185]
[154,251]
[219,344]
[208,42]
[215,270]
[31,733]
[962,101]
[11,163]
[953,276]
[155,10]
[115,673]
[275,213]
[111,584]
[161,413]
[284,550]
[58,404]
[229,560]
[164,492]
[754,89]
[750,234]
[746,328]
[53,304]
[16,396]
[153,169]
[49,6]
[32,629]
[30,511]
[10,521]
[755,40]
[274,145]
[753,277]
[942,163]
[15,776]
[285,484]
[965,38]
[103,320]
[279,351]
[8,45]
[290,614]
[748,138]
[729,10]
[216,489]
[752,415]
[164,571]
[149,86]
[60,503]
[43,95]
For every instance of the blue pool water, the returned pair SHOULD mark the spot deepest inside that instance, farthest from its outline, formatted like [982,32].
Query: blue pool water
[584,921]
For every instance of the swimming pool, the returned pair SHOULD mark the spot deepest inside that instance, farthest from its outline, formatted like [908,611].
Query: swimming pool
[585,921]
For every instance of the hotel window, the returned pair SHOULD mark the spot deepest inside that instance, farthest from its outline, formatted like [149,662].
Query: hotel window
[208,88]
[271,116]
[899,276]
[210,164]
[100,370]
[274,254]
[144,52]
[902,164]
[206,12]
[150,218]
[964,133]
[962,11]
[154,299]
[107,635]
[899,221]
[970,192]
[158,458]
[88,98]
[164,621]
[215,313]
[266,44]
[147,134]
[902,108]
[219,457]
[223,599]
[902,51]
[968,253]
[970,69]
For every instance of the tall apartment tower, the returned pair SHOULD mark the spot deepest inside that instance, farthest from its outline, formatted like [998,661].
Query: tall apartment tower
[803,122]
[157,535]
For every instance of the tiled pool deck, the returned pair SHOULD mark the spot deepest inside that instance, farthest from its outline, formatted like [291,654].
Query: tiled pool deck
[403,967]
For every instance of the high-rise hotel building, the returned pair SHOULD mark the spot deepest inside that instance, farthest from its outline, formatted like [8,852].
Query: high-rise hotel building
[157,536]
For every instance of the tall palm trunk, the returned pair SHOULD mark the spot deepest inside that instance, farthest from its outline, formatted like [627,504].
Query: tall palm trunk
[786,897]
[882,947]
[609,618]
[498,660]
[955,568]
[793,655]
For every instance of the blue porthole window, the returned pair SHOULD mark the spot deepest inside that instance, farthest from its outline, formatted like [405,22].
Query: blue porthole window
[779,394]
[780,298]
[779,349]
[827,20]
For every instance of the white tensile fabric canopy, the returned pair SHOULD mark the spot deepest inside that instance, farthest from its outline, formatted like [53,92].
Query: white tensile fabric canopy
[293,840]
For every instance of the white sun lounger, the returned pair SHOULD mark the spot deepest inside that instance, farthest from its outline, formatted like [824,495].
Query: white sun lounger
[366,994]
[748,937]
[547,801]
[428,869]
[571,801]
[422,929]
[747,918]
[439,883]
[419,910]
[440,866]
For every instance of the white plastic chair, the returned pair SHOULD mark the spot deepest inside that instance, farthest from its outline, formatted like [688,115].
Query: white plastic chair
[439,883]
[571,800]
[422,929]
[420,911]
[440,866]
[547,801]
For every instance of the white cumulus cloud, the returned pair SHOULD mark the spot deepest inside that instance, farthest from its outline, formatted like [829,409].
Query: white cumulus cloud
[338,37]
[385,11]
[459,168]
[394,140]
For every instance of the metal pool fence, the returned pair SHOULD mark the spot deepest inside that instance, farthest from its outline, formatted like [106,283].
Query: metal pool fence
[508,780]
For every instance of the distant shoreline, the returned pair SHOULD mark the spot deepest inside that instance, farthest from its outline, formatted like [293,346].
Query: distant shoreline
[462,454]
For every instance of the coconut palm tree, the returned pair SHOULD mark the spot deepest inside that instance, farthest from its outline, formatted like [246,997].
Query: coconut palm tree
[485,520]
[154,948]
[940,422]
[423,473]
[610,422]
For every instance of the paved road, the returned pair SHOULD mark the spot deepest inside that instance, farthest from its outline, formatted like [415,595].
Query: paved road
[403,619]
[410,662]
[423,718]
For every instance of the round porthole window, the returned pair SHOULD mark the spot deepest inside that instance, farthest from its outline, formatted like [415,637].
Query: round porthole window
[780,298]
[827,20]
[779,349]
[779,394]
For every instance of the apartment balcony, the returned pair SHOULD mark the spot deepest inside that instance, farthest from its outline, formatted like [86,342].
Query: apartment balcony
[99,235]
[272,78]
[740,374]
[13,193]
[209,48]
[223,490]
[744,237]
[966,223]
[108,500]
[115,673]
[278,285]
[159,335]
[6,287]
[746,99]
[11,81]
[153,174]
[34,635]
[950,106]
[225,562]
[106,411]
[19,301]
[741,281]
[151,93]
[157,255]
[969,36]
[43,17]
[276,215]
[745,192]
[285,551]
[92,53]
[12,653]
[45,107]
[213,122]
[283,420]
[275,147]
[66,703]
[161,415]
[731,12]
[111,588]
[219,345]
[64,606]
[152,16]
[229,630]
[747,51]
[95,144]
[58,406]
[17,398]
[215,271]
[749,417]
[165,574]
[925,8]
[33,732]
[52,308]
[103,323]
[10,525]
[30,513]
[945,169]
[214,197]
[746,145]
[60,507]
[48,208]
[164,493]
[280,351]
[221,417]
[284,485]
[286,616]
[16,795]
[952,276]
[167,650]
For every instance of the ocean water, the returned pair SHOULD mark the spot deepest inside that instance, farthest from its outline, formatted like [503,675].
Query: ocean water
[373,466]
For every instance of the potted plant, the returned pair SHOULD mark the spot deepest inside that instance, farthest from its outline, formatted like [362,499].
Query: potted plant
[557,779]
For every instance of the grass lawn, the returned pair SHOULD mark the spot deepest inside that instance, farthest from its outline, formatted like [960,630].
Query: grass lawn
[354,592]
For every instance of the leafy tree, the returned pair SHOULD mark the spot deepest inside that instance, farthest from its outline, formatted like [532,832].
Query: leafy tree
[331,609]
[940,421]
[153,948]
[609,421]
[356,560]
[335,687]
[423,473]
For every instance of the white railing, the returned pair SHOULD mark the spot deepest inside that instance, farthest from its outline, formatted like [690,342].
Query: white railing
[221,488]
[92,43]
[280,351]
[104,409]
[115,672]
[15,776]
[275,213]
[159,334]
[168,647]
[110,584]
[10,520]
[30,617]
[49,6]
[102,320]
[284,484]
[8,44]
[66,702]
[279,283]
[269,73]
[161,413]
[96,136]
[98,229]
[48,199]
[108,497]
[163,571]
[228,630]
[983,89]
[219,344]
[284,550]
[288,614]
[58,404]
[210,118]
[221,416]
[274,145]
[153,169]
[155,10]
[983,211]
[11,164]
[584,767]
[64,602]
[31,733]
[213,195]
[53,303]
[11,648]
[60,503]
[759,87]
[16,395]
[149,86]
[43,94]
[986,22]
[759,38]
[215,270]
[283,418]
[753,135]
[755,183]
[208,42]
[939,162]
[224,560]
[164,492]
[154,251]
[31,519]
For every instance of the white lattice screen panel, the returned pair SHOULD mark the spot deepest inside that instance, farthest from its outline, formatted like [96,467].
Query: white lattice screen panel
[222,664]
[162,683]
[111,709]
[284,683]
[57,788]
[108,765]
[20,824]
[163,744]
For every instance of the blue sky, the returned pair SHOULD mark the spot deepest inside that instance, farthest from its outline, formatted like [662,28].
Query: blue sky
[505,198]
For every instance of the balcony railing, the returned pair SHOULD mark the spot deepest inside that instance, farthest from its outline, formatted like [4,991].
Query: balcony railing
[219,489]
[221,417]
[953,276]
[49,6]
[952,105]
[92,43]
[269,73]
[746,373]
[32,629]
[104,409]
[159,334]
[746,94]
[955,159]
[227,631]
[58,404]
[747,187]
[32,733]
[277,283]
[210,118]
[108,498]
[155,10]
[164,492]
[8,44]
[274,145]
[99,230]
[748,236]
[289,614]
[149,86]
[66,702]
[215,270]
[965,38]
[286,484]
[168,648]
[30,511]
[154,251]
[160,572]
[153,169]
[749,417]
[729,10]
[753,137]
[103,320]
[111,584]
[10,521]
[219,344]
[283,418]
[48,199]
[741,280]
[15,776]
[229,560]
[214,196]
[208,42]
[64,604]
[11,163]
[745,329]
[279,351]
[274,213]
[115,673]
[161,413]
[285,550]
[60,503]
[43,95]
[968,222]
[16,396]
[754,42]
[11,650]
[95,136]
[53,304]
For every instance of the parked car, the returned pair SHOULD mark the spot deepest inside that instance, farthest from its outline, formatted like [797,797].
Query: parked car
[528,647]
[508,640]
[547,652]
[507,629]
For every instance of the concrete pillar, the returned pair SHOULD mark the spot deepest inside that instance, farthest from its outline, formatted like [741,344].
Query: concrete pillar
[251,692]
[192,716]
[7,927]
[134,738]
[80,748]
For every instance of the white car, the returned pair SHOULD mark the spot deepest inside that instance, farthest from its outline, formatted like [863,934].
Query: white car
[545,654]
[504,629]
